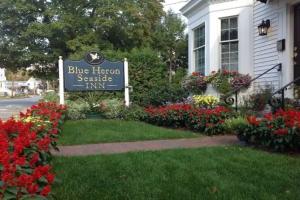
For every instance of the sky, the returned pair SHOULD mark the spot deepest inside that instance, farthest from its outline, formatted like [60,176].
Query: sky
[175,5]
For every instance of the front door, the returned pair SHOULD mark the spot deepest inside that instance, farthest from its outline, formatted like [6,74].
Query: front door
[297,42]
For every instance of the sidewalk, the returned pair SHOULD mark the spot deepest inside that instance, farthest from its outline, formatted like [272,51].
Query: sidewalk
[123,147]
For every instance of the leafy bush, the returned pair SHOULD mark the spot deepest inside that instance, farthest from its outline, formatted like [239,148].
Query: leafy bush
[195,83]
[132,113]
[259,99]
[164,94]
[205,101]
[146,71]
[77,109]
[208,121]
[111,108]
[234,125]
[50,97]
[279,131]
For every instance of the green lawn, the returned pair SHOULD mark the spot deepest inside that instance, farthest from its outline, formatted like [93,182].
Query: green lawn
[231,173]
[97,131]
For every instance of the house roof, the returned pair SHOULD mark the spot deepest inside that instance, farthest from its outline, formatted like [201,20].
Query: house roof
[193,4]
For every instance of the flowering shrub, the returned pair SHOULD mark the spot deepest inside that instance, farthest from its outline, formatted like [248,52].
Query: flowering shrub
[25,152]
[206,101]
[225,81]
[195,83]
[279,131]
[208,121]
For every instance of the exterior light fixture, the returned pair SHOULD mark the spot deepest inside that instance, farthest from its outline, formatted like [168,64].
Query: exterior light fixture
[263,1]
[263,27]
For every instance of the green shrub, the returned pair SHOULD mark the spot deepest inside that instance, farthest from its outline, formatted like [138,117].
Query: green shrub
[111,108]
[233,125]
[77,109]
[132,113]
[94,97]
[50,97]
[163,94]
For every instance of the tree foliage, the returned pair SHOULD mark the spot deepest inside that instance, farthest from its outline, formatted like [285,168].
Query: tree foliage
[171,42]
[38,31]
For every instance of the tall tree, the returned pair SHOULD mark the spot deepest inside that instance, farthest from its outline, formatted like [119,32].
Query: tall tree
[171,42]
[38,31]
[16,16]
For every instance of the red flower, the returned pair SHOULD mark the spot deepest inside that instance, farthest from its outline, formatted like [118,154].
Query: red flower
[46,190]
[20,160]
[25,180]
[21,144]
[33,188]
[282,131]
[252,120]
[34,159]
[196,74]
[50,178]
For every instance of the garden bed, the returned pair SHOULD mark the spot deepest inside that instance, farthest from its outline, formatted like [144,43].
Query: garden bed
[93,131]
[209,173]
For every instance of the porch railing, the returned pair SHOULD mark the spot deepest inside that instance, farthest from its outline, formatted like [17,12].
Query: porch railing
[277,103]
[232,97]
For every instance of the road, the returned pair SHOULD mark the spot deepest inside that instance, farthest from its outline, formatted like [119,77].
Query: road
[11,107]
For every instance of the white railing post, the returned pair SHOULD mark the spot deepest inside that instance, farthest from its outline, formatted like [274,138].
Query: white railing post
[126,80]
[61,80]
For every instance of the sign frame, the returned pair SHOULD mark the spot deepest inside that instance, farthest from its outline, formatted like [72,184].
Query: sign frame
[93,76]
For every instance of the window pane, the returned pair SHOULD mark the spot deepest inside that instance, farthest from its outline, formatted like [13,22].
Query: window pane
[234,46]
[233,22]
[196,37]
[199,36]
[233,34]
[224,24]
[225,35]
[225,58]
[202,36]
[234,57]
[229,56]
[200,60]
[229,50]
[225,66]
[234,67]
[225,47]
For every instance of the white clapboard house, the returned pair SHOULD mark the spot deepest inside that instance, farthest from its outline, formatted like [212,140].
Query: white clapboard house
[251,36]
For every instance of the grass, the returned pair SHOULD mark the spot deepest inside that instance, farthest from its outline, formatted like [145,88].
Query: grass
[231,173]
[101,131]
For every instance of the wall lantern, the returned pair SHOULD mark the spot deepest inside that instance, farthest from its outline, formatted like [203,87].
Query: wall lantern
[263,1]
[263,27]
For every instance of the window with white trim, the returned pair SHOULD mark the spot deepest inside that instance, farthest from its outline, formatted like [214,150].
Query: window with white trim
[199,49]
[229,44]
